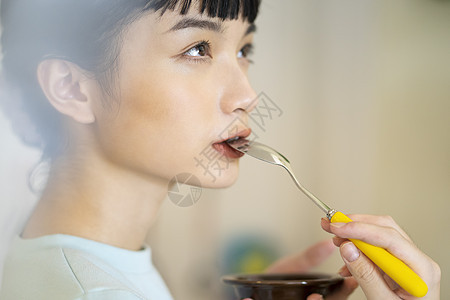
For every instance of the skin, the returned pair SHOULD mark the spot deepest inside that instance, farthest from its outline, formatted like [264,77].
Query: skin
[381,231]
[174,100]
[171,100]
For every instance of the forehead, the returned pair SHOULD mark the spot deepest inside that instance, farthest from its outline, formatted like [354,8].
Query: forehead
[173,21]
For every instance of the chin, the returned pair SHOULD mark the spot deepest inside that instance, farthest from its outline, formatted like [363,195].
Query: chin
[219,180]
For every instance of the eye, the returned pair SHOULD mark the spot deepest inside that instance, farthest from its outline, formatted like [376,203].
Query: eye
[246,51]
[202,49]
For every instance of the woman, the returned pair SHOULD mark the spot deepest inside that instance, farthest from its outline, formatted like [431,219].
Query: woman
[124,95]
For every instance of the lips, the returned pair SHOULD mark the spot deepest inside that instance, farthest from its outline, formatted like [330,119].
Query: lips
[223,148]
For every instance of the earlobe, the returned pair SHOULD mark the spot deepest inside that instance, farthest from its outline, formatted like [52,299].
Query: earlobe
[62,82]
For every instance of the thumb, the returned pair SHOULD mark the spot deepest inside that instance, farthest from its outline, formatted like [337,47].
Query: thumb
[366,273]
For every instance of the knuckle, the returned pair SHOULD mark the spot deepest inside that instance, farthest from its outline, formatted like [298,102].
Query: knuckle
[337,241]
[388,220]
[365,273]
[392,234]
[436,269]
[352,226]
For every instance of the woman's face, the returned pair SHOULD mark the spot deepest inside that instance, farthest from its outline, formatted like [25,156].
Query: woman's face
[182,88]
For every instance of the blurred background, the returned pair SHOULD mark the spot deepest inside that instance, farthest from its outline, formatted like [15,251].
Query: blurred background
[362,90]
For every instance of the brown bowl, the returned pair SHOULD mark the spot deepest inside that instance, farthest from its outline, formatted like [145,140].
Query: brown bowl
[282,286]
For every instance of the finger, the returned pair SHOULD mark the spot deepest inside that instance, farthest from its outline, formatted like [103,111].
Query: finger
[385,221]
[384,237]
[315,297]
[402,294]
[349,286]
[337,241]
[344,272]
[365,273]
[305,260]
[391,283]
[325,223]
[394,242]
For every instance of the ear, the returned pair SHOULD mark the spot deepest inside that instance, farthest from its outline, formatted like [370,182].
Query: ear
[67,89]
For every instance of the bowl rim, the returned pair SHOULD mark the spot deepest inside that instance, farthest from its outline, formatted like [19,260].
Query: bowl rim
[239,279]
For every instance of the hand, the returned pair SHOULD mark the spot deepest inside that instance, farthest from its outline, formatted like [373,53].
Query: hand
[385,233]
[305,261]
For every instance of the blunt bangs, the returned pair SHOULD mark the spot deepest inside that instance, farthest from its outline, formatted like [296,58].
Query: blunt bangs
[223,9]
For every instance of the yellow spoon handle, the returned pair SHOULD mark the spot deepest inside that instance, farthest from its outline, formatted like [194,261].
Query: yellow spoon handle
[391,265]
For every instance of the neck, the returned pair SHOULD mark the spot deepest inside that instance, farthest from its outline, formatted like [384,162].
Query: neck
[95,199]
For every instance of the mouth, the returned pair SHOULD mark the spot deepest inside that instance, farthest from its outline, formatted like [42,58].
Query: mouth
[226,150]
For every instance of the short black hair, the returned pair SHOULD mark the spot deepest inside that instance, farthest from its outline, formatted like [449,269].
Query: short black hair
[85,32]
[224,9]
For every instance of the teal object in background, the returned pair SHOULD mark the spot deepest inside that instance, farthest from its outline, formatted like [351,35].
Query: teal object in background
[247,253]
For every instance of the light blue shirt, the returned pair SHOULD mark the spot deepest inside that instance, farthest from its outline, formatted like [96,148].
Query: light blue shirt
[64,267]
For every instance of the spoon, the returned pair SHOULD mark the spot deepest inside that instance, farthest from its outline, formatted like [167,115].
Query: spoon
[391,265]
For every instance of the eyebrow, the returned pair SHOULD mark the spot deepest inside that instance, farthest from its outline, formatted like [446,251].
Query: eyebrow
[251,28]
[196,23]
[205,24]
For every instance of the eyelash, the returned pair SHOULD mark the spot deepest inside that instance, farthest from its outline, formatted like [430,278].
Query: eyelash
[199,59]
[246,51]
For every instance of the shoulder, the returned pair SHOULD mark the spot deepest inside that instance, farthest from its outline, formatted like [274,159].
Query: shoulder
[59,273]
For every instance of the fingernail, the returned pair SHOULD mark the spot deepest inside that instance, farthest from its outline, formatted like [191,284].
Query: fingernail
[349,252]
[337,225]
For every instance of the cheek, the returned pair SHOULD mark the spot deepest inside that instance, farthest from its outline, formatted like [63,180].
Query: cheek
[175,101]
[160,119]
[168,95]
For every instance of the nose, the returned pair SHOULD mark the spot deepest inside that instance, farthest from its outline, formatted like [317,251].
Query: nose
[238,93]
